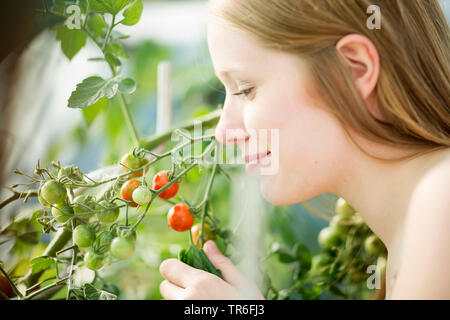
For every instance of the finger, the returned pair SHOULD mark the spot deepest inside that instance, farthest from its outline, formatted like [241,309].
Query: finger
[229,272]
[178,272]
[170,291]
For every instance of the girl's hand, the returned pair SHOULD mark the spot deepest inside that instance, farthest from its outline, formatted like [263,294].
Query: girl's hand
[184,282]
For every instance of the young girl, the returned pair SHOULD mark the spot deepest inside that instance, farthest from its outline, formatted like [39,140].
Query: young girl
[362,110]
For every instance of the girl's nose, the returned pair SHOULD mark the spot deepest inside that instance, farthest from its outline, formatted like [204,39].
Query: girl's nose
[231,128]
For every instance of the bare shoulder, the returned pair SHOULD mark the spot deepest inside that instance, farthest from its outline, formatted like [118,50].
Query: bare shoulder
[426,255]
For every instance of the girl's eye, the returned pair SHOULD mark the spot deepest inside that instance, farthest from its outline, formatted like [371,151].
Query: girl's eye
[245,92]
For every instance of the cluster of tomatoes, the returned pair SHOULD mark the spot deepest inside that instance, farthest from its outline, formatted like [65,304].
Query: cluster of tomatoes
[94,229]
[179,217]
[347,245]
[90,217]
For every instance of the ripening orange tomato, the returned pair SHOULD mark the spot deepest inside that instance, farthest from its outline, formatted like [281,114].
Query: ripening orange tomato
[126,192]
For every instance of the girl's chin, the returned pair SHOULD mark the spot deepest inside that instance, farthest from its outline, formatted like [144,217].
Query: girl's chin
[270,193]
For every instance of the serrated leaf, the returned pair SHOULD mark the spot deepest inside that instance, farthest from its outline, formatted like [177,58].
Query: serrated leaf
[92,89]
[91,113]
[133,13]
[72,40]
[41,263]
[116,49]
[109,6]
[127,86]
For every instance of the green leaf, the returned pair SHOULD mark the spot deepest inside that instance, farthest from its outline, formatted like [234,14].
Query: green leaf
[96,25]
[116,49]
[91,113]
[197,258]
[41,263]
[59,6]
[71,40]
[303,255]
[284,256]
[92,89]
[109,6]
[83,4]
[112,59]
[133,13]
[127,86]
[92,293]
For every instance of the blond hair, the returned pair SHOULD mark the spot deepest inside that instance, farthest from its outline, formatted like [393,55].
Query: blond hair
[413,43]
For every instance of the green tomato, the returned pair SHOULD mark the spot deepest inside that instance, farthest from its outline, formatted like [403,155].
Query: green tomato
[103,242]
[343,208]
[373,245]
[93,261]
[142,195]
[339,224]
[83,205]
[83,236]
[62,212]
[110,215]
[53,192]
[122,248]
[328,238]
[42,200]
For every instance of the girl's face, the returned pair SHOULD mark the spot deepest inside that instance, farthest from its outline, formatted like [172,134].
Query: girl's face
[279,97]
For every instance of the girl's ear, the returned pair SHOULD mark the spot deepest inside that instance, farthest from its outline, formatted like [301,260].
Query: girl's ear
[362,59]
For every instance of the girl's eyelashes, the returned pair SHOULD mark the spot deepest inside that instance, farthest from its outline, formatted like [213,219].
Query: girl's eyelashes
[245,92]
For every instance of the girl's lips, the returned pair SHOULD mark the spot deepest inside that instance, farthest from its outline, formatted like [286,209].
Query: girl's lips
[255,158]
[263,160]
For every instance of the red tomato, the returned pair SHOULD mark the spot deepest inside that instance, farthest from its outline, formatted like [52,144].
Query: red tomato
[180,218]
[160,180]
[126,192]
